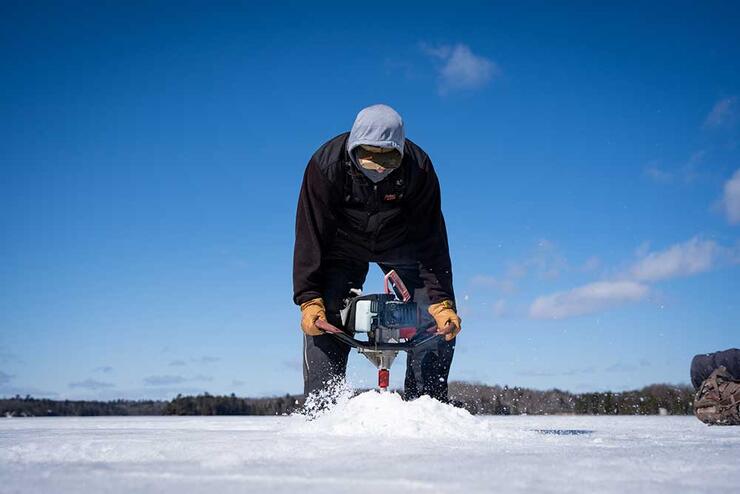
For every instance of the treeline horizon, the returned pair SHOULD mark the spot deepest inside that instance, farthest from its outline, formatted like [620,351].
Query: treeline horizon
[477,398]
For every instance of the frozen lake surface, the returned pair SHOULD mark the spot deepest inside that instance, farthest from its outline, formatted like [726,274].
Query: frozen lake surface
[355,449]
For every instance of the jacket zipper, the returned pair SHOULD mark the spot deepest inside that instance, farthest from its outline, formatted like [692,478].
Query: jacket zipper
[376,209]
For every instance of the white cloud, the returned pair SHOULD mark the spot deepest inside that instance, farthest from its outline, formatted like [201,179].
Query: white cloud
[461,69]
[591,264]
[694,256]
[658,174]
[685,173]
[547,260]
[206,359]
[734,253]
[500,308]
[544,262]
[731,198]
[5,378]
[6,356]
[169,380]
[621,367]
[722,112]
[91,384]
[505,285]
[587,299]
[691,257]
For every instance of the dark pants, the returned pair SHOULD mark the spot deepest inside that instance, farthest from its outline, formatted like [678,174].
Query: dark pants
[704,364]
[325,358]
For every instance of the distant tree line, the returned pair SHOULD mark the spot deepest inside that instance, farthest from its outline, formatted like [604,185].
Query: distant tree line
[647,401]
[503,400]
[476,398]
[207,404]
[41,407]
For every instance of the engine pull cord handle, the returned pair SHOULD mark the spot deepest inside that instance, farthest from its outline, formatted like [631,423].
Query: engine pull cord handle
[395,286]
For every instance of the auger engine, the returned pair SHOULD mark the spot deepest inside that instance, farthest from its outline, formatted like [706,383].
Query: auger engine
[390,321]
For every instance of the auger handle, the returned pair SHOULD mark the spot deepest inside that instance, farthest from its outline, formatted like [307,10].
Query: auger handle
[412,344]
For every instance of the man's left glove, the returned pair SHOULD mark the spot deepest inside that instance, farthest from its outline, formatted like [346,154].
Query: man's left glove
[311,311]
[448,322]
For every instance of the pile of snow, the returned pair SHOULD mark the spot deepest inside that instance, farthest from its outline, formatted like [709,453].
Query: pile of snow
[387,415]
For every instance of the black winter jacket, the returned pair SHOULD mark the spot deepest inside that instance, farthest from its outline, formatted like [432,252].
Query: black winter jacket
[403,210]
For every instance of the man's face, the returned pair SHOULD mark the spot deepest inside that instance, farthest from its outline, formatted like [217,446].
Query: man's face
[378,159]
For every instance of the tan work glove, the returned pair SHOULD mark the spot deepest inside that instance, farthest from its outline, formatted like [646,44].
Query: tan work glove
[448,322]
[310,312]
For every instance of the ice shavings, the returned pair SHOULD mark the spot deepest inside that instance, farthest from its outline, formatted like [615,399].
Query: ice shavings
[387,415]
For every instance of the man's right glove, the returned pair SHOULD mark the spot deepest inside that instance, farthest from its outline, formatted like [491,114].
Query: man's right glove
[310,312]
[448,322]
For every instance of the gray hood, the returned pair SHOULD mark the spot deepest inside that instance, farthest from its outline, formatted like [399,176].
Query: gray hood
[377,125]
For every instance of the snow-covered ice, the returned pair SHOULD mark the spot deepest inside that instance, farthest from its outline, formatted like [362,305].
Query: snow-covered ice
[370,444]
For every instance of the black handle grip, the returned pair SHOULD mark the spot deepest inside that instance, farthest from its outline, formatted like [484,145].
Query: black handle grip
[412,344]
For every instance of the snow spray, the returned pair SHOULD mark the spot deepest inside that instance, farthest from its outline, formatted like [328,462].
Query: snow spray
[338,412]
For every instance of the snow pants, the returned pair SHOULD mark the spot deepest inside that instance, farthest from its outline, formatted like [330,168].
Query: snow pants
[325,357]
[704,364]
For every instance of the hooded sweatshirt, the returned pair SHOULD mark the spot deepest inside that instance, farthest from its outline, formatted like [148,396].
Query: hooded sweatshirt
[344,214]
[379,126]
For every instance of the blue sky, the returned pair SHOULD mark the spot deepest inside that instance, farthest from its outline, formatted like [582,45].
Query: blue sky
[151,156]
